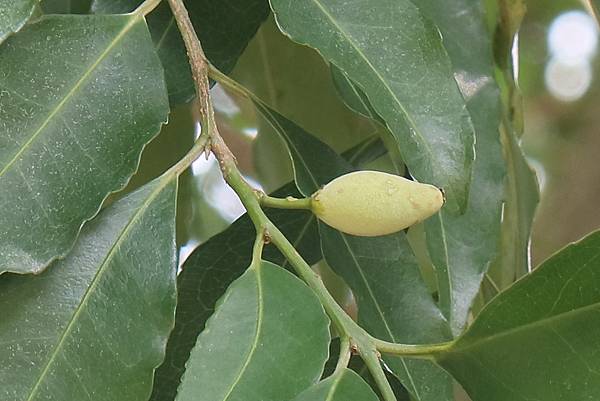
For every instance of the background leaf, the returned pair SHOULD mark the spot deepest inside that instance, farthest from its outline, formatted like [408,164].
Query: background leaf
[545,323]
[13,15]
[315,164]
[521,187]
[94,326]
[522,198]
[352,95]
[397,59]
[345,385]
[294,81]
[80,97]
[462,247]
[393,303]
[267,321]
[223,26]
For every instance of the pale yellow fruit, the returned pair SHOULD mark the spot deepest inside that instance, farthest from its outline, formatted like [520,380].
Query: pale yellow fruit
[372,203]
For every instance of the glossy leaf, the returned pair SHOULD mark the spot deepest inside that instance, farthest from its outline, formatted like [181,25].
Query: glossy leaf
[315,164]
[94,326]
[223,26]
[13,15]
[396,57]
[462,247]
[211,268]
[344,385]
[80,96]
[546,324]
[267,321]
[393,303]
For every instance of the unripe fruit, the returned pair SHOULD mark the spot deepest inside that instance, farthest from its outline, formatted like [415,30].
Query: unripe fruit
[372,203]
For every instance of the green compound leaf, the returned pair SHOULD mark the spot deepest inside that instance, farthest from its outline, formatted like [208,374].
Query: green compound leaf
[344,385]
[94,326]
[80,96]
[538,340]
[267,341]
[396,57]
[13,15]
[223,26]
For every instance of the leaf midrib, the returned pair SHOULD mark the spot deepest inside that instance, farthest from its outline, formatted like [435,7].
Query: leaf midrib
[257,333]
[541,322]
[133,20]
[379,311]
[94,282]
[397,101]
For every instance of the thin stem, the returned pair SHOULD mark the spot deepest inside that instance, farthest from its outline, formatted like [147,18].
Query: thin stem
[426,351]
[374,365]
[198,64]
[285,203]
[257,249]
[195,152]
[231,84]
[146,7]
[345,354]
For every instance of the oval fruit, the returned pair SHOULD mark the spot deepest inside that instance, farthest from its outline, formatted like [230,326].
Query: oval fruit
[372,203]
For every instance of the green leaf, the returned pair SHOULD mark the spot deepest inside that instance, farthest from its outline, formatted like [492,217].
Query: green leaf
[352,95]
[462,247]
[223,26]
[267,321]
[65,6]
[315,164]
[13,15]
[538,340]
[397,59]
[393,303]
[80,97]
[294,81]
[211,268]
[344,385]
[95,325]
[522,198]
